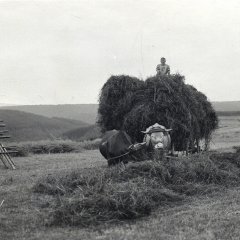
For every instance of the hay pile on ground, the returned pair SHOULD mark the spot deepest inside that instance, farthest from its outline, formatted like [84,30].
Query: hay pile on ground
[133,105]
[93,196]
[51,147]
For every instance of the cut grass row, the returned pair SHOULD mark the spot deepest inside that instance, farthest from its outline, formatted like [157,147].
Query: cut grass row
[57,146]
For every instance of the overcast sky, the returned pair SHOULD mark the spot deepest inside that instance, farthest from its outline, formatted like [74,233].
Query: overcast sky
[56,52]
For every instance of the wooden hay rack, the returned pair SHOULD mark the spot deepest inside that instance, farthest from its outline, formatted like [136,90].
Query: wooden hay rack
[4,152]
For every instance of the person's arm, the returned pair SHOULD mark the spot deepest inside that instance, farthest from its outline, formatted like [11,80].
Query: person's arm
[168,71]
[157,68]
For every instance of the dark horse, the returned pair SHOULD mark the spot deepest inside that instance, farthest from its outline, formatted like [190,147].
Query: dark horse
[116,146]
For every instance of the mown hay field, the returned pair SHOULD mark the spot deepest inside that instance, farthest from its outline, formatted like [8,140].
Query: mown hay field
[228,133]
[214,215]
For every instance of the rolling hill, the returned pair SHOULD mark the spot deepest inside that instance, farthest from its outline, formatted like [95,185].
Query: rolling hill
[79,134]
[80,112]
[88,112]
[24,126]
[73,121]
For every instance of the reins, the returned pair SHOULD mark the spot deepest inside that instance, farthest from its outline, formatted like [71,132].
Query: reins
[118,156]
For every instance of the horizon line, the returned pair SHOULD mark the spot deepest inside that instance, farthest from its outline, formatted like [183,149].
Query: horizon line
[52,104]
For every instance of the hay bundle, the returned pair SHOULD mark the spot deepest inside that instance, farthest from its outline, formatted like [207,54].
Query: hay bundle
[118,97]
[132,105]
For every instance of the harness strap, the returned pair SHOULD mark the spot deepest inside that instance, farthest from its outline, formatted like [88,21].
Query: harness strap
[131,150]
[118,156]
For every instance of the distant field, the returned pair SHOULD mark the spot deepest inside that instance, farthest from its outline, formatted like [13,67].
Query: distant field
[227,106]
[83,133]
[228,134]
[228,113]
[88,112]
[24,126]
[73,121]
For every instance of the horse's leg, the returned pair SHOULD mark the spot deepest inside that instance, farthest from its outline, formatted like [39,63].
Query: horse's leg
[172,150]
[198,148]
[187,147]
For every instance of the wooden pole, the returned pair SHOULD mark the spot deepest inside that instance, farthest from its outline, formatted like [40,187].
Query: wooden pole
[4,153]
[7,156]
[3,131]
[3,161]
[2,137]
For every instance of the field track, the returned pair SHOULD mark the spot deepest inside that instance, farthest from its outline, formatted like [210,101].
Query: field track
[215,216]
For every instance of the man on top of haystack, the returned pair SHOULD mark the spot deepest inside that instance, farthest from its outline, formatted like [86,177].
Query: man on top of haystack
[163,68]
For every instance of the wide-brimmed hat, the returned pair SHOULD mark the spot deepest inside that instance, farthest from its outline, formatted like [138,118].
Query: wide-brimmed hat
[156,128]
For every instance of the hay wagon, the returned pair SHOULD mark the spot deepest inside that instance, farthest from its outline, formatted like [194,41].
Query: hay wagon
[129,104]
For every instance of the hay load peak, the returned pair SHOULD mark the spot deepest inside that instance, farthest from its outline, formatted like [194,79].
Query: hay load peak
[127,103]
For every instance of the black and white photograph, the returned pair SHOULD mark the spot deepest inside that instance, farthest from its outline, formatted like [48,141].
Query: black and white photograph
[119,120]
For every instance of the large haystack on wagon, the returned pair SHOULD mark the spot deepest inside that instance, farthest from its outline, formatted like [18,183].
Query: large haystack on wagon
[129,104]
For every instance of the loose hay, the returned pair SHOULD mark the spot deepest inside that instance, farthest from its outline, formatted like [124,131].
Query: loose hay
[99,195]
[133,105]
[55,146]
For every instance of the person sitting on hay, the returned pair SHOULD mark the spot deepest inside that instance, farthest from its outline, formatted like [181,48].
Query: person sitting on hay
[163,69]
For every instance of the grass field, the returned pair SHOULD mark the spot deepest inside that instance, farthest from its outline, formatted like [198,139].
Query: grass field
[211,216]
[215,216]
[228,134]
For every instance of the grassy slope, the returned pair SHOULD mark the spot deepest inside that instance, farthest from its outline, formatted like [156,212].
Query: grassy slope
[227,106]
[215,216]
[228,134]
[79,134]
[88,112]
[24,126]
[81,112]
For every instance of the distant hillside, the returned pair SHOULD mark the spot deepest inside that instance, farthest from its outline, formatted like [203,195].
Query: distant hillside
[228,113]
[76,121]
[81,112]
[231,106]
[79,134]
[24,126]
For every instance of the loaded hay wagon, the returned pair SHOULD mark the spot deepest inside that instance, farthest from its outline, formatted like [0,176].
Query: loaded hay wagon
[132,105]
